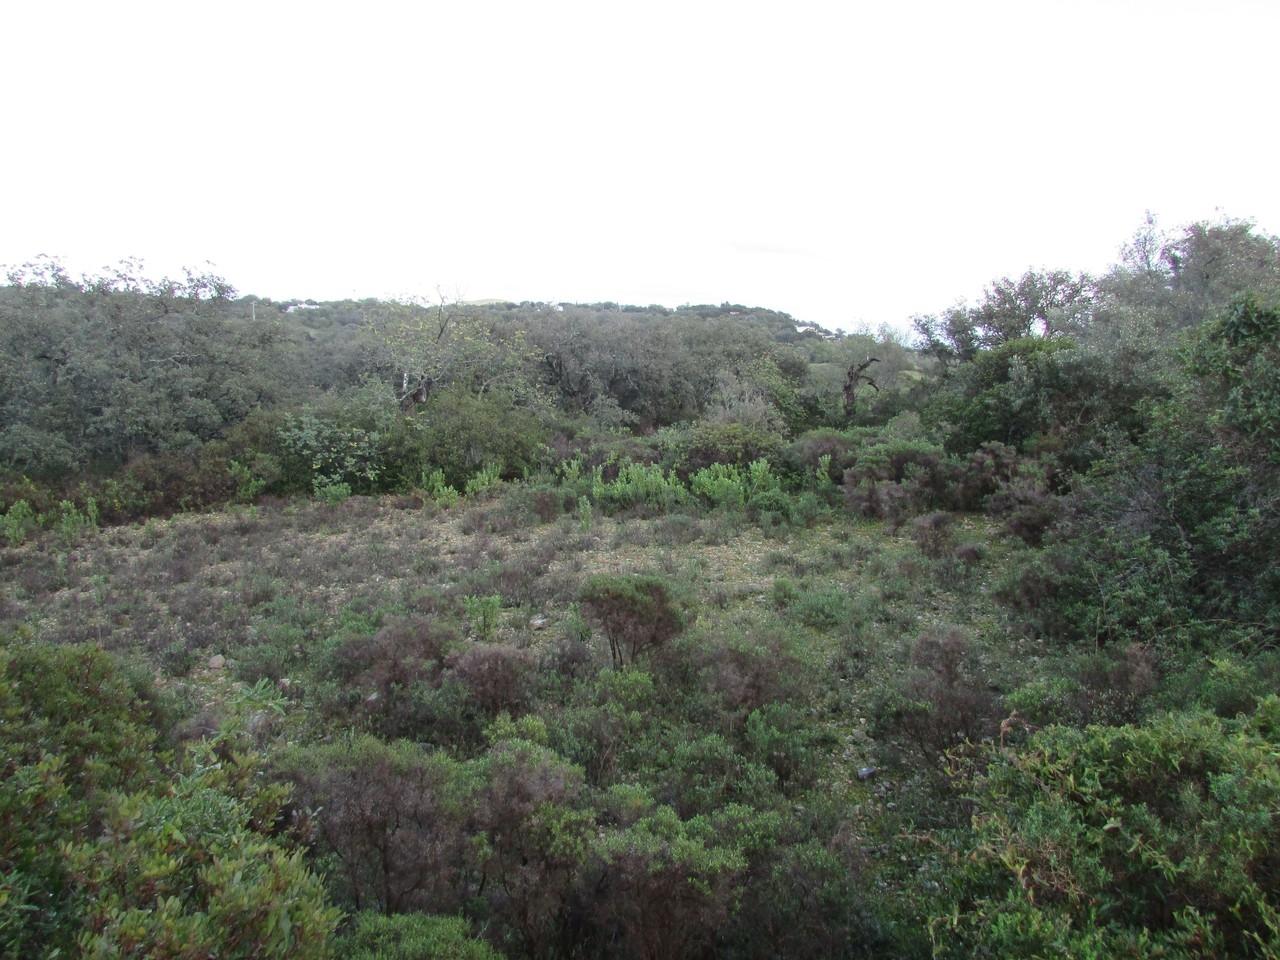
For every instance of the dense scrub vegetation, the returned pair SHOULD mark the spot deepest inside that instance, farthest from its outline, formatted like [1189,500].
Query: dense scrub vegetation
[408,630]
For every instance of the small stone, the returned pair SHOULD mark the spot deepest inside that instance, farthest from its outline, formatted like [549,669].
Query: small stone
[866,773]
[539,623]
[217,662]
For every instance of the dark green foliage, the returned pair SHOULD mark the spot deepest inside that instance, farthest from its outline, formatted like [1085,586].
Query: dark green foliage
[1005,394]
[782,737]
[106,849]
[942,701]
[640,865]
[536,836]
[1179,531]
[705,774]
[464,432]
[822,609]
[185,874]
[392,816]
[73,729]
[411,936]
[605,720]
[808,900]
[103,369]
[730,443]
[638,613]
[805,454]
[1156,840]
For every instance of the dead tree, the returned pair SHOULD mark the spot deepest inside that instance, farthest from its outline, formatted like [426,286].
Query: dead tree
[857,376]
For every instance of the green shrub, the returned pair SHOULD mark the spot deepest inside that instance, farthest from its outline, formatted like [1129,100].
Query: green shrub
[637,612]
[73,729]
[821,454]
[1154,840]
[482,614]
[730,443]
[392,814]
[331,493]
[463,433]
[411,936]
[253,479]
[641,863]
[783,738]
[703,774]
[486,478]
[784,593]
[770,505]
[1047,700]
[106,850]
[17,523]
[720,485]
[433,484]
[822,609]
[320,453]
[183,873]
[638,485]
[72,522]
[178,659]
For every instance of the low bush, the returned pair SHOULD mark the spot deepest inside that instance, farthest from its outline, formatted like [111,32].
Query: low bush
[393,817]
[411,936]
[638,613]
[736,444]
[942,702]
[496,677]
[1152,840]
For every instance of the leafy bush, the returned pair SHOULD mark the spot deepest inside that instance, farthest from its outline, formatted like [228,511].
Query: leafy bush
[378,677]
[735,444]
[495,676]
[434,485]
[73,730]
[184,873]
[942,702]
[482,614]
[463,433]
[411,936]
[394,816]
[639,865]
[17,523]
[821,609]
[638,485]
[933,534]
[107,850]
[828,451]
[535,839]
[606,717]
[637,613]
[1153,840]
[331,493]
[771,508]
[720,485]
[702,774]
[484,479]
[321,454]
[783,738]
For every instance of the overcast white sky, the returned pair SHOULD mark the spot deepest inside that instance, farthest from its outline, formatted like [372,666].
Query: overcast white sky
[846,162]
